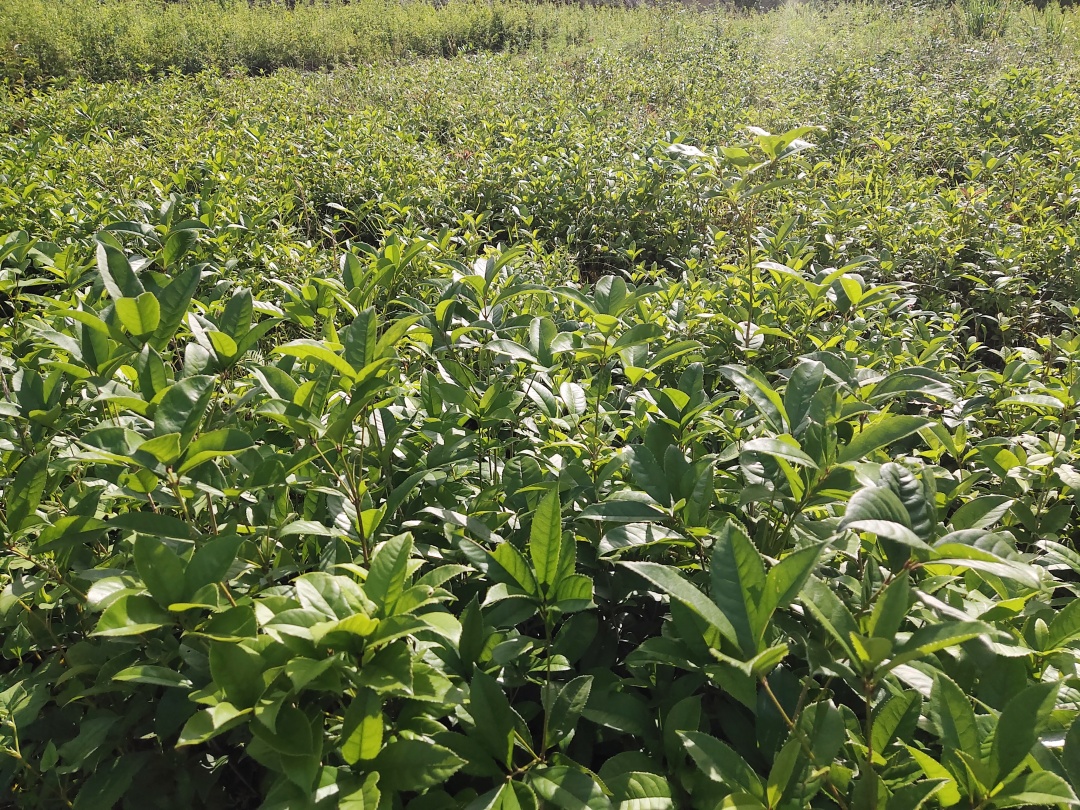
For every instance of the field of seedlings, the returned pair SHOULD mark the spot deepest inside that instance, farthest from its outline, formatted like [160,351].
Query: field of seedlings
[507,406]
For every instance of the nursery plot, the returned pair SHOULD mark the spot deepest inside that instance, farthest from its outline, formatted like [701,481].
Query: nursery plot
[686,419]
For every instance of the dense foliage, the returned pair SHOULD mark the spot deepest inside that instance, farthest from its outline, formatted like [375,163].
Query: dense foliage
[525,431]
[41,40]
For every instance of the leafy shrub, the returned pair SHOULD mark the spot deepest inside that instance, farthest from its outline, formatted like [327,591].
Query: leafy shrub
[489,542]
[451,434]
[44,39]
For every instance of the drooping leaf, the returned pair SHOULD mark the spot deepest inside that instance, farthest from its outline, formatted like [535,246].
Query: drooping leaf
[682,591]
[721,763]
[880,433]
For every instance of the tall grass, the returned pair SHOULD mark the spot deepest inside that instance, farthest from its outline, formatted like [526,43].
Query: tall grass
[112,39]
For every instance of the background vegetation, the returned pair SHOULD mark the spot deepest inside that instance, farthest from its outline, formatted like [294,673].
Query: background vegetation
[533,428]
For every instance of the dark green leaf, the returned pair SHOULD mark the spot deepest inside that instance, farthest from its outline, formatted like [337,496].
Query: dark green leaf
[668,581]
[1019,725]
[26,489]
[492,717]
[161,569]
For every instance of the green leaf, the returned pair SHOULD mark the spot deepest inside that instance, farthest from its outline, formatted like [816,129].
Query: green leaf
[545,541]
[567,707]
[160,568]
[740,801]
[915,796]
[291,735]
[152,675]
[389,568]
[322,592]
[617,510]
[640,791]
[786,579]
[574,592]
[1070,754]
[211,722]
[365,797]
[513,569]
[738,585]
[1033,401]
[979,513]
[140,316]
[896,717]
[390,670]
[1040,788]
[235,318]
[182,407]
[116,273]
[24,493]
[778,448]
[214,444]
[567,789]
[163,449]
[880,433]
[210,563]
[932,638]
[721,763]
[668,581]
[108,783]
[412,765]
[948,793]
[173,304]
[131,615]
[648,474]
[177,245]
[804,383]
[755,388]
[826,607]
[362,728]
[891,607]
[151,372]
[237,671]
[387,344]
[513,350]
[1019,725]
[876,504]
[889,530]
[492,716]
[69,532]
[360,339]
[951,712]
[782,772]
[312,350]
[917,494]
